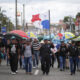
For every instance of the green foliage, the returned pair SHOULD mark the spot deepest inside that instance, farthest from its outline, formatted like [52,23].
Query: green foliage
[5,21]
[78,15]
[66,19]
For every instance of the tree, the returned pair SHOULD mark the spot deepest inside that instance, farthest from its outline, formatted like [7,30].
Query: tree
[66,19]
[5,21]
[78,15]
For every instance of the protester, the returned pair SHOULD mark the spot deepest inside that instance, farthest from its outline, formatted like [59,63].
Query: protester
[1,49]
[45,57]
[36,46]
[8,43]
[78,59]
[13,55]
[73,55]
[28,53]
[57,55]
[52,55]
[62,55]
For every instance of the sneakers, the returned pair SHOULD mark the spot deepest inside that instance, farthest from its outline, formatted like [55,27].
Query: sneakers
[13,73]
[16,71]
[34,67]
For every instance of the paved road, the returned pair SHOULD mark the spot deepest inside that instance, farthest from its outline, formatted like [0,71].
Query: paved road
[55,74]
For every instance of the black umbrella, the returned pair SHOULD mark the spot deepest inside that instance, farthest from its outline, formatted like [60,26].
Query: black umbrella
[9,35]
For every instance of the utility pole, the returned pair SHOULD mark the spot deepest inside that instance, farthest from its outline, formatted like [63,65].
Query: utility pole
[49,25]
[23,16]
[15,14]
[0,21]
[21,21]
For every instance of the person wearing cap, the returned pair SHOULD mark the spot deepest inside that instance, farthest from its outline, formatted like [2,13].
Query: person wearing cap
[73,54]
[28,53]
[45,57]
[36,46]
[79,56]
[1,49]
[13,54]
[62,55]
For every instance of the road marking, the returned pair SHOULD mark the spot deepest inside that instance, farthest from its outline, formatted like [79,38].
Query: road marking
[36,72]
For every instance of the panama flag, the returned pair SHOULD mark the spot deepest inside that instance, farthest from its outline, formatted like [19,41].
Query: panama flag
[63,33]
[41,20]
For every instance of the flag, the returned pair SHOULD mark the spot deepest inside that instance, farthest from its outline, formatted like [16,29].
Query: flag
[35,18]
[41,20]
[63,33]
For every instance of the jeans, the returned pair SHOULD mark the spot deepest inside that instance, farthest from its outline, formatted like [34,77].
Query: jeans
[73,63]
[7,61]
[23,63]
[28,64]
[78,63]
[36,58]
[62,62]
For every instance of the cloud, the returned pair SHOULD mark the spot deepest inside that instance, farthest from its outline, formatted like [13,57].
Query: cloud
[37,1]
[58,8]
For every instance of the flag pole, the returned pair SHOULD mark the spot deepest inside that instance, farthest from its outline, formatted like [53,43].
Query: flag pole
[49,25]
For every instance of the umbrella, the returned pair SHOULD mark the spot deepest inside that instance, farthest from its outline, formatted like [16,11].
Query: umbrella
[47,37]
[20,33]
[31,34]
[69,35]
[9,35]
[77,39]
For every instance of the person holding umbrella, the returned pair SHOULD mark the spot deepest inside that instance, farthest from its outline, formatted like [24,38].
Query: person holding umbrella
[13,54]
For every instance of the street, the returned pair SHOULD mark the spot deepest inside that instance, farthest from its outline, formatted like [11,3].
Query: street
[55,74]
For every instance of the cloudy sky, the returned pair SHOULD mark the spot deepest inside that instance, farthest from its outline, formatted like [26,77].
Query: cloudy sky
[58,8]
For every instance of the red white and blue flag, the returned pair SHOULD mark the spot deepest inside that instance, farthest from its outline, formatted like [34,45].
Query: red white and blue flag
[41,20]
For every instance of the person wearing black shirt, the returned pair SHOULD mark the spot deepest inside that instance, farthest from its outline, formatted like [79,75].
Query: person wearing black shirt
[45,57]
[73,55]
[1,49]
[62,55]
[13,53]
[52,55]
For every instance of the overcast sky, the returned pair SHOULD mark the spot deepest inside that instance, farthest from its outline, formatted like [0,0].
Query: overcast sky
[58,8]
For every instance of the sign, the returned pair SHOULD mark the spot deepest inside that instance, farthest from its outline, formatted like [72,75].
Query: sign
[3,29]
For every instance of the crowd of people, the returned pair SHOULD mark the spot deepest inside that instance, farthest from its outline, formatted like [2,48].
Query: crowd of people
[30,53]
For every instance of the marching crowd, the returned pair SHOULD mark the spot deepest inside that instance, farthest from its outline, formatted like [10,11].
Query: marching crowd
[30,53]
